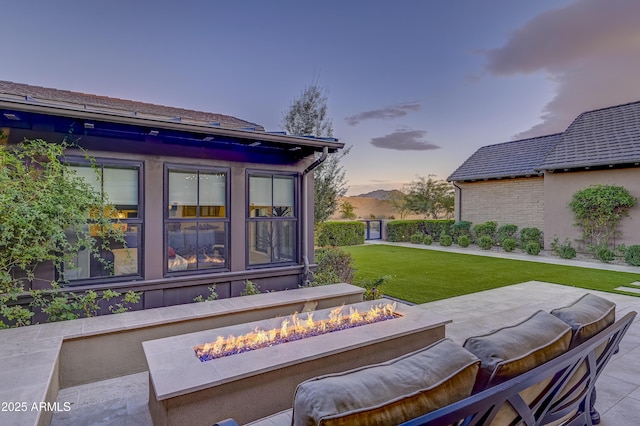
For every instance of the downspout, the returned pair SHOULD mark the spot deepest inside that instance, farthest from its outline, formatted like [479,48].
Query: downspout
[459,201]
[305,219]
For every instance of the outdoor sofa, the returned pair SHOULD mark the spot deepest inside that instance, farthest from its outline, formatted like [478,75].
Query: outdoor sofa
[538,372]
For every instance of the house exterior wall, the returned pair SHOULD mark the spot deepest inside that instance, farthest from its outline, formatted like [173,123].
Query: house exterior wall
[560,187]
[517,201]
[160,288]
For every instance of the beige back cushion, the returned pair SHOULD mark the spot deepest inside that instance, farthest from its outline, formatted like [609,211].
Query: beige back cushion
[587,316]
[510,351]
[388,393]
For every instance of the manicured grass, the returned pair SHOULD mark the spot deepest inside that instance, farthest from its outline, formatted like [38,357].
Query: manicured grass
[421,276]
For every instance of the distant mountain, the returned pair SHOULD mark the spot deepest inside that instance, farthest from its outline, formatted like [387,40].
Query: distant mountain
[379,194]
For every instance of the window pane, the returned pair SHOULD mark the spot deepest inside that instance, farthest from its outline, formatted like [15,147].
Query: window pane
[260,197]
[283,236]
[109,258]
[183,195]
[259,242]
[120,185]
[196,246]
[90,175]
[283,196]
[213,194]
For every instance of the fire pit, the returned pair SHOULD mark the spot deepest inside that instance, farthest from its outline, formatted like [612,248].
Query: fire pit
[184,389]
[294,328]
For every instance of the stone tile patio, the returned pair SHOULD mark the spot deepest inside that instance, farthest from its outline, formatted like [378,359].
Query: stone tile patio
[123,401]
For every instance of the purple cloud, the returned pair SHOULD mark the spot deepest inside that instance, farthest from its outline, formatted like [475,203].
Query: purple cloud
[589,49]
[386,113]
[404,140]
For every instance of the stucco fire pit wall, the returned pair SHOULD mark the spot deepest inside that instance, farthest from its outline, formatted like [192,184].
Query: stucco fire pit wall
[247,386]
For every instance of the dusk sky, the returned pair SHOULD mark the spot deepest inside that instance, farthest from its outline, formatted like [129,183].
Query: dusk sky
[415,87]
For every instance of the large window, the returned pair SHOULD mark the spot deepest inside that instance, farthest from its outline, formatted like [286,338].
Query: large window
[197,219]
[119,183]
[272,222]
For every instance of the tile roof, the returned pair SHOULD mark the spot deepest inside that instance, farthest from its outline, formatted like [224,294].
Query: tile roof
[44,95]
[601,137]
[509,159]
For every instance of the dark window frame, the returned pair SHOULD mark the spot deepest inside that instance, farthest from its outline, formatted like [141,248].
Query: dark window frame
[295,218]
[138,221]
[197,219]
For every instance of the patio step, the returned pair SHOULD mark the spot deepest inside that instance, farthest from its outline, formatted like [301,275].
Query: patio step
[633,287]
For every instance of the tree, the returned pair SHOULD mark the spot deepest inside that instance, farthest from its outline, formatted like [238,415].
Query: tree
[308,115]
[430,197]
[347,211]
[45,211]
[399,202]
[598,209]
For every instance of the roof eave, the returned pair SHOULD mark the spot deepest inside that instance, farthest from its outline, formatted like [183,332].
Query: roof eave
[66,111]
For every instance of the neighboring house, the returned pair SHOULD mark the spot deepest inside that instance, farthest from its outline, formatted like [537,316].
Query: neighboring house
[203,198]
[530,182]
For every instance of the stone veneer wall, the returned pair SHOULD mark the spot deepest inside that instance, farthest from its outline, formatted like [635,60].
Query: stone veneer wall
[506,201]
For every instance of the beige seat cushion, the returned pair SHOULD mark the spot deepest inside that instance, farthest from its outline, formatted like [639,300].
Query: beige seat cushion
[511,351]
[587,316]
[388,393]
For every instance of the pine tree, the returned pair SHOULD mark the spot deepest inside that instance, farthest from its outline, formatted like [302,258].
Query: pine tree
[308,115]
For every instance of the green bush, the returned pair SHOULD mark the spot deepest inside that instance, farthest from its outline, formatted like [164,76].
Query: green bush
[487,228]
[372,288]
[507,231]
[509,244]
[250,288]
[417,238]
[464,241]
[632,256]
[530,235]
[334,266]
[605,254]
[402,230]
[532,247]
[341,233]
[428,240]
[459,229]
[564,250]
[446,240]
[485,242]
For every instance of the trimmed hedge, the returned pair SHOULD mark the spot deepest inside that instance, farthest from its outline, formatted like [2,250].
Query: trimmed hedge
[402,230]
[341,233]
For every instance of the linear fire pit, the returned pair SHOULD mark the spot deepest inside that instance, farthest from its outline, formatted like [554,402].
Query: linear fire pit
[253,384]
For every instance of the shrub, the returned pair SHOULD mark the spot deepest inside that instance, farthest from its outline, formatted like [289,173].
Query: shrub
[598,209]
[487,228]
[530,234]
[459,229]
[371,287]
[250,288]
[401,230]
[341,233]
[564,250]
[507,231]
[485,242]
[417,238]
[334,266]
[605,254]
[632,256]
[509,244]
[532,247]
[212,295]
[446,240]
[428,240]
[464,241]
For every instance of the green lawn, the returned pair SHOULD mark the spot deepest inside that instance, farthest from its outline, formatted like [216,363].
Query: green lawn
[421,276]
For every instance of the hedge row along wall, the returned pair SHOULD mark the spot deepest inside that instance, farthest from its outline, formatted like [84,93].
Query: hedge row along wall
[401,230]
[341,234]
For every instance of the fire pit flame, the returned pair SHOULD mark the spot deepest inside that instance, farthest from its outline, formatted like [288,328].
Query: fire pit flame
[294,328]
